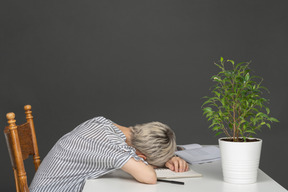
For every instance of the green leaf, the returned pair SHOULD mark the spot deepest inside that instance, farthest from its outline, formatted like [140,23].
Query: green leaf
[208,115]
[216,93]
[231,61]
[251,131]
[259,114]
[208,109]
[215,128]
[267,110]
[221,59]
[262,87]
[210,118]
[206,102]
[247,77]
[220,132]
[213,124]
[242,121]
[219,66]
[273,119]
[222,101]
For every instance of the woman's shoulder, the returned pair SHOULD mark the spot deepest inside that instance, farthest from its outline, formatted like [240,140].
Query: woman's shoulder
[101,120]
[96,121]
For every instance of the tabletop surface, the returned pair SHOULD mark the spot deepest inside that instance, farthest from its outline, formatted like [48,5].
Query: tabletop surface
[212,180]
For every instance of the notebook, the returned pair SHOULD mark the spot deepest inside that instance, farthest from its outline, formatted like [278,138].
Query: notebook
[195,153]
[163,173]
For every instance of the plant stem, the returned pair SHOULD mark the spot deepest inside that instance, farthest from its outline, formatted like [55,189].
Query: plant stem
[234,123]
[226,132]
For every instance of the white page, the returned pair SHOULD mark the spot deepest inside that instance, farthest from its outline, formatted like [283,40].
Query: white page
[167,173]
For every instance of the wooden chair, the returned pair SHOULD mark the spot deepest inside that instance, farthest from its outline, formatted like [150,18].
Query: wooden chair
[21,143]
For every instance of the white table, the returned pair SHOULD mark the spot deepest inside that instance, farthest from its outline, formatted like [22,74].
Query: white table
[211,181]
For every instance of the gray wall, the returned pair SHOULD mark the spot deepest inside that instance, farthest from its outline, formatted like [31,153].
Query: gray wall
[137,61]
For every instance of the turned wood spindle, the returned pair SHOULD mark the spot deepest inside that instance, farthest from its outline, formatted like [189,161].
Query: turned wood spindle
[29,118]
[20,170]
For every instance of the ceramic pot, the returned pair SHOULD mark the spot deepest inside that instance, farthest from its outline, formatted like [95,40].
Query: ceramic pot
[240,161]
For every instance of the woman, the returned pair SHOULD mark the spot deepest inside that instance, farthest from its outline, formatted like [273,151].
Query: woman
[99,146]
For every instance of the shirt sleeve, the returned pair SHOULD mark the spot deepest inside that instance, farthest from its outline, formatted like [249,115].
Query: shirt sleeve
[124,154]
[119,151]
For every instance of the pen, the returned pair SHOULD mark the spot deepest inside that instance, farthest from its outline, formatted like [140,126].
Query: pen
[169,181]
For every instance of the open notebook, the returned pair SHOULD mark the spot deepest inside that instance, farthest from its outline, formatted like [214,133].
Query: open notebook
[163,173]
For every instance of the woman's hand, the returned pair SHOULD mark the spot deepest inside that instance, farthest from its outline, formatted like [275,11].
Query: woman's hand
[177,164]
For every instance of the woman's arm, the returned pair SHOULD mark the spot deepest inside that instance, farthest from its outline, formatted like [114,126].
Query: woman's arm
[140,171]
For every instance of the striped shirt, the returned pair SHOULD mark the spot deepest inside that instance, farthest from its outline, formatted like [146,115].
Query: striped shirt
[94,148]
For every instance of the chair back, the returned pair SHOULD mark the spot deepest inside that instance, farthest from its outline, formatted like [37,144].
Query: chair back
[21,142]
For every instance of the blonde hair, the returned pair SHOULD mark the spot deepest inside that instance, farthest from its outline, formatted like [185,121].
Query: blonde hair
[155,140]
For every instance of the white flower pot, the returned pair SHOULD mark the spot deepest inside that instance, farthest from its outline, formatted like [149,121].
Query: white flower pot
[240,161]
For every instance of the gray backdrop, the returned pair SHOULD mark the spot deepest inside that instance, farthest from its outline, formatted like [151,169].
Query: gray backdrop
[134,62]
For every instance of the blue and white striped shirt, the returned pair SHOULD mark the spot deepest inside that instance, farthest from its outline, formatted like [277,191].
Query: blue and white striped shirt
[94,148]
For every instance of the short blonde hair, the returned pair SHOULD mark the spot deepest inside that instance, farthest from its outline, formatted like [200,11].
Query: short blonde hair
[155,140]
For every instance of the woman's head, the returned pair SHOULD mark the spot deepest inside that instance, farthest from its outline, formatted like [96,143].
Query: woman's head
[155,140]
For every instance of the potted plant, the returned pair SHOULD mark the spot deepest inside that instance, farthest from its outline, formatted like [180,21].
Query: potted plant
[237,109]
